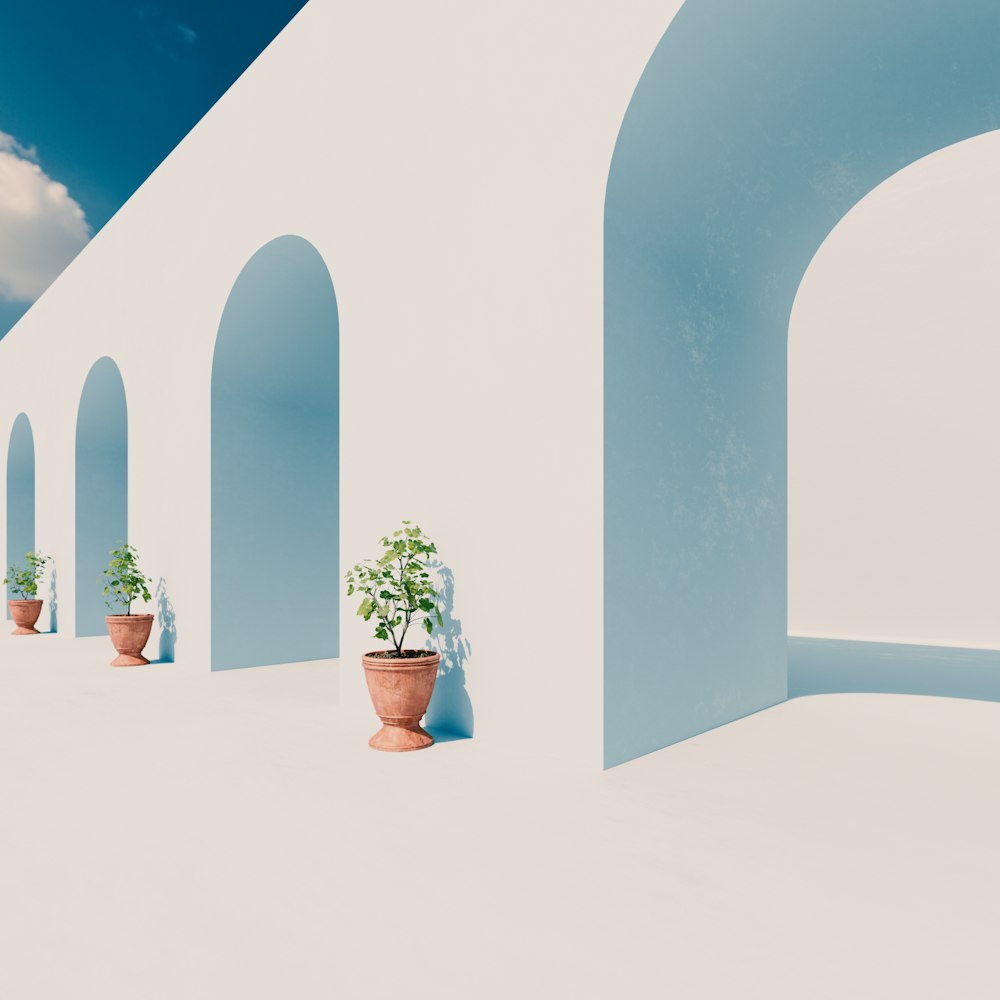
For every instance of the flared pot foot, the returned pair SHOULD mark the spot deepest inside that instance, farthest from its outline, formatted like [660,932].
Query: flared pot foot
[127,660]
[399,739]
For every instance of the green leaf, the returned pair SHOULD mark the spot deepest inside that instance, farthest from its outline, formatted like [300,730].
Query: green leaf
[396,583]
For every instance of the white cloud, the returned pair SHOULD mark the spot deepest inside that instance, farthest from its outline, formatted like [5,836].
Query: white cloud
[8,144]
[42,228]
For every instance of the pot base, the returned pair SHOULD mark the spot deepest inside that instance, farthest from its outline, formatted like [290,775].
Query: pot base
[129,635]
[401,735]
[25,613]
[125,660]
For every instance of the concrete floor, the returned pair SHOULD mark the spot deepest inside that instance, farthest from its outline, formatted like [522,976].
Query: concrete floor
[184,835]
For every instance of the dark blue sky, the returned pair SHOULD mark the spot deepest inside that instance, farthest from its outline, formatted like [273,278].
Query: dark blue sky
[102,91]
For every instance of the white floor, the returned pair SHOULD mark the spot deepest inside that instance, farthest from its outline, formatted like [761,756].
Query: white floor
[180,835]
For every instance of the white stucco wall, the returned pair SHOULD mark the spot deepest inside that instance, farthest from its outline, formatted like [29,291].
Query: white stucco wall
[449,161]
[894,456]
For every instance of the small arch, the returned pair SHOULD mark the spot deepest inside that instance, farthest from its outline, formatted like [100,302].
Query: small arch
[20,493]
[275,462]
[101,488]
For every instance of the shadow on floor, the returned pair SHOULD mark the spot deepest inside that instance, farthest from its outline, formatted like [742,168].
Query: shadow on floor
[449,715]
[444,735]
[837,666]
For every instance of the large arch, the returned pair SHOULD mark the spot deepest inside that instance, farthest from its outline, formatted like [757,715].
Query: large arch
[753,129]
[275,462]
[20,493]
[101,488]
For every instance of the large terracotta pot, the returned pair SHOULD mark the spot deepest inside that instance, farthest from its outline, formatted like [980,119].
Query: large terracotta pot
[129,635]
[25,614]
[401,690]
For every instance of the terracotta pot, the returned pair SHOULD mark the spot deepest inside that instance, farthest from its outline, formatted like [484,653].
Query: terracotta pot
[129,635]
[401,691]
[25,614]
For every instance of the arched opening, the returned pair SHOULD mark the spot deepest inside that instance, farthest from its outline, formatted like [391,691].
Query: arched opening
[752,131]
[101,488]
[276,462]
[892,450]
[893,357]
[20,494]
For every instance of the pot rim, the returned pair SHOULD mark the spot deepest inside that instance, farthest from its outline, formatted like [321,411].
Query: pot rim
[408,661]
[27,600]
[127,618]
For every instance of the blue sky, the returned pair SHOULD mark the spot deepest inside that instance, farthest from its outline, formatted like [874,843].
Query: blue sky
[93,96]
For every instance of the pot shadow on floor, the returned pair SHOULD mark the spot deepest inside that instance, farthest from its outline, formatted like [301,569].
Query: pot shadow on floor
[53,602]
[449,715]
[167,621]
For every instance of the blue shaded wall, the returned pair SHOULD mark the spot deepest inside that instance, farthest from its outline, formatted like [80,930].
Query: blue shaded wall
[20,495]
[838,666]
[101,489]
[275,463]
[753,130]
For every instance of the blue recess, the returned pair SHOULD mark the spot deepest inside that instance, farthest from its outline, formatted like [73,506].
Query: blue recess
[275,463]
[20,494]
[101,489]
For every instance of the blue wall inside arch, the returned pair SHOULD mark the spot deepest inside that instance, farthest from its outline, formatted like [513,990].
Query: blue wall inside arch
[275,463]
[101,489]
[20,494]
[753,130]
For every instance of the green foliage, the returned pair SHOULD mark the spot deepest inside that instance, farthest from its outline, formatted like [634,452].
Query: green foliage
[24,579]
[397,586]
[125,582]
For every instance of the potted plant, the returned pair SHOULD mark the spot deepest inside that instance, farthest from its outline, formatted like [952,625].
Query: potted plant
[125,583]
[23,580]
[398,593]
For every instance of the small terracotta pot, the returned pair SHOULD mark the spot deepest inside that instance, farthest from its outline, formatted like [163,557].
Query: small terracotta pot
[401,691]
[25,614]
[129,635]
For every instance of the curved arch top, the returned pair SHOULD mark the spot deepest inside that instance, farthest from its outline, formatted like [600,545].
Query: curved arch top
[275,462]
[101,488]
[20,493]
[753,129]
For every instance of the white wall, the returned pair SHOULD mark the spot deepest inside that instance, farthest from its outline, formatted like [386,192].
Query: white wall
[894,411]
[449,162]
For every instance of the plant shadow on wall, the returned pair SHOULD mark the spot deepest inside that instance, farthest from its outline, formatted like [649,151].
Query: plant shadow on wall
[449,715]
[53,602]
[167,621]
